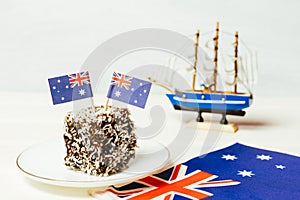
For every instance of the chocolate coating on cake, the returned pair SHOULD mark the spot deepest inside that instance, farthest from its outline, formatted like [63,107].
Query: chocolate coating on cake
[99,142]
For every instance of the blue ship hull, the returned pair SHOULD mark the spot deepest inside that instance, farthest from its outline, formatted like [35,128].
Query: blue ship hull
[211,102]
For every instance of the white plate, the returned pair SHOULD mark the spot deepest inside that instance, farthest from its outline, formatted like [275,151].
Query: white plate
[45,163]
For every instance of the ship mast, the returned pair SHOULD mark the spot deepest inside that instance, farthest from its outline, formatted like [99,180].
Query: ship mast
[216,39]
[236,43]
[195,60]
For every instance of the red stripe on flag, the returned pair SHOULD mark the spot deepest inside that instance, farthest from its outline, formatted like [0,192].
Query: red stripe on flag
[175,172]
[177,187]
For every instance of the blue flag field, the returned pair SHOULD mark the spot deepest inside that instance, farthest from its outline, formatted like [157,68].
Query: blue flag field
[237,172]
[70,87]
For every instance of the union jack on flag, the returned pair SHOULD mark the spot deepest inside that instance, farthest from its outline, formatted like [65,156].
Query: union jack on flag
[171,183]
[70,87]
[121,80]
[235,172]
[79,79]
[128,89]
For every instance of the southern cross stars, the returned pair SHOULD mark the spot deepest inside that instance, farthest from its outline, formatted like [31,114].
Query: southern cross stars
[280,166]
[263,157]
[245,173]
[229,157]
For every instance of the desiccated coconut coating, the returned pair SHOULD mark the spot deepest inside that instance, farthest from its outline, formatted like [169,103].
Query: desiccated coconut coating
[99,142]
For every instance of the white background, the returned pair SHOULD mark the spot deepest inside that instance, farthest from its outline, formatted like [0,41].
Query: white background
[42,39]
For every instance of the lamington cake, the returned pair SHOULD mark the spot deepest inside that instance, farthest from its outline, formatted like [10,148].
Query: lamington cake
[99,142]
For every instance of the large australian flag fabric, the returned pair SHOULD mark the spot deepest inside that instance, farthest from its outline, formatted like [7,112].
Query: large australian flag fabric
[70,87]
[237,172]
[128,89]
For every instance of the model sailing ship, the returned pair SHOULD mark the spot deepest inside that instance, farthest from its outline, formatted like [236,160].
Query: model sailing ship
[209,98]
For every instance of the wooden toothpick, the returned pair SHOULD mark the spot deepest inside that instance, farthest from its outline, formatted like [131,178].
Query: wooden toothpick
[106,104]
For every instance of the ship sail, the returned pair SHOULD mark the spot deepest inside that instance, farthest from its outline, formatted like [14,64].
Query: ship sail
[237,71]
[222,78]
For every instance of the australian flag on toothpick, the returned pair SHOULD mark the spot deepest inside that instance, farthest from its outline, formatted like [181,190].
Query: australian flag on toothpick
[128,89]
[237,172]
[70,87]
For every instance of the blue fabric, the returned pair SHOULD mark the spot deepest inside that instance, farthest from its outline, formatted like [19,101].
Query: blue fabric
[260,174]
[269,181]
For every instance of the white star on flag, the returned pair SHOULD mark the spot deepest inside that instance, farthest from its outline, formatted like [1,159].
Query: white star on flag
[263,157]
[245,173]
[82,92]
[229,157]
[118,93]
[280,166]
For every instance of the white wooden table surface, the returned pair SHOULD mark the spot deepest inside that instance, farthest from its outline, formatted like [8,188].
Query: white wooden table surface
[29,118]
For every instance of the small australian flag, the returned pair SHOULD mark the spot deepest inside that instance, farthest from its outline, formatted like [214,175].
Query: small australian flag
[70,87]
[128,89]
